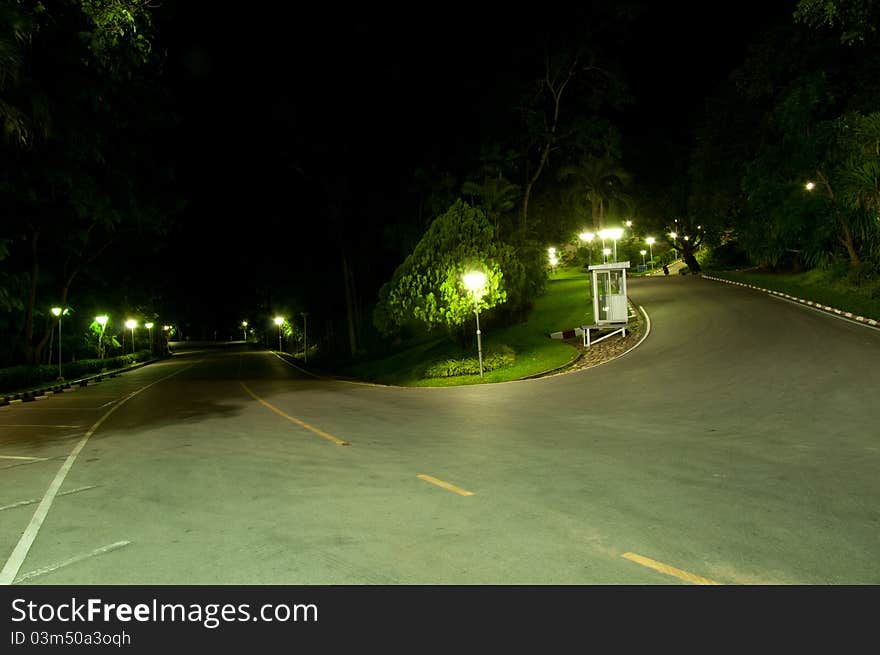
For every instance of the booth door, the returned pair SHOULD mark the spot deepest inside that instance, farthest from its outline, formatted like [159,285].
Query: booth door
[612,302]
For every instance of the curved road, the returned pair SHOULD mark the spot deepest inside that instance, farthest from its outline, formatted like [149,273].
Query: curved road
[738,444]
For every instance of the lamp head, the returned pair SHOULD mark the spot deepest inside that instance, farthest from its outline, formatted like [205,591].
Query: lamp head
[279,320]
[101,320]
[56,311]
[474,281]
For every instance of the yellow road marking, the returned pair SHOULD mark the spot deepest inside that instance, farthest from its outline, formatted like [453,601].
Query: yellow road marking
[293,419]
[445,485]
[668,570]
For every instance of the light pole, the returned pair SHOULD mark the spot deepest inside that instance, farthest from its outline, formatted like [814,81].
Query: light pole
[674,236]
[650,242]
[149,327]
[642,253]
[57,311]
[131,324]
[615,233]
[244,330]
[102,321]
[587,237]
[305,316]
[605,253]
[278,321]
[474,282]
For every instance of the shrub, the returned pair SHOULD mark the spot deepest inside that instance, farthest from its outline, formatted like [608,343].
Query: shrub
[497,358]
[16,378]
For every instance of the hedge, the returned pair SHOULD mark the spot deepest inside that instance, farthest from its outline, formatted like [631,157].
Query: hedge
[16,378]
[447,368]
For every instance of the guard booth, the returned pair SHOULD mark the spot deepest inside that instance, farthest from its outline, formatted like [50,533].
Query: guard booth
[610,308]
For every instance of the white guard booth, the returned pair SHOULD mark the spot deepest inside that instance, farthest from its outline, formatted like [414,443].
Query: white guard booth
[610,308]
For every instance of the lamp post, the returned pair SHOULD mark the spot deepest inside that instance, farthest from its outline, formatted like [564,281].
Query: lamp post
[57,311]
[244,330]
[474,282]
[131,324]
[605,253]
[149,327]
[650,242]
[305,316]
[102,321]
[587,237]
[278,321]
[642,253]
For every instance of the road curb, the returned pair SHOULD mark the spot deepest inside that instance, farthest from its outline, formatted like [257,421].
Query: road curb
[68,386]
[808,303]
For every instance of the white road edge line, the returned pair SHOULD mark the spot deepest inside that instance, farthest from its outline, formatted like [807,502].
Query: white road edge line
[821,311]
[16,559]
[35,459]
[22,503]
[73,560]
[295,366]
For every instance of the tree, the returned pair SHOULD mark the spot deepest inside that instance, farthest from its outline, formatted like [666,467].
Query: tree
[427,288]
[601,181]
[496,195]
[856,20]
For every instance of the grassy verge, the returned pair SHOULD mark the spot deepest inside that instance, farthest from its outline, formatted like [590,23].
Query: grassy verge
[565,305]
[816,285]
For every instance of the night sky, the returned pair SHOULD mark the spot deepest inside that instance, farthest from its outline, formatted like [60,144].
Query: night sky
[272,104]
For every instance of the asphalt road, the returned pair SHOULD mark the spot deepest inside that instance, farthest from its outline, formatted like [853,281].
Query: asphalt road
[738,444]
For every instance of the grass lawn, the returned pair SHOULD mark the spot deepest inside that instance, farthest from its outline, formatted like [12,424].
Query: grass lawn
[565,305]
[816,285]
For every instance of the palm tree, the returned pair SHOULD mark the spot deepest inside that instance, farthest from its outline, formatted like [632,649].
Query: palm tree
[496,195]
[601,182]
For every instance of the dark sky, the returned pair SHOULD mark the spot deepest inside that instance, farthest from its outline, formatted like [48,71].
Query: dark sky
[271,99]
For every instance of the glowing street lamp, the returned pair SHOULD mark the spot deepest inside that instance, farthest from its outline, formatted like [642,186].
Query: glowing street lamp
[613,233]
[244,330]
[587,237]
[279,320]
[809,186]
[642,253]
[149,327]
[629,223]
[650,242]
[102,321]
[605,253]
[131,324]
[474,282]
[57,311]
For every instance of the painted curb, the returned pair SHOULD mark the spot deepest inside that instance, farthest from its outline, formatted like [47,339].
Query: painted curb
[809,303]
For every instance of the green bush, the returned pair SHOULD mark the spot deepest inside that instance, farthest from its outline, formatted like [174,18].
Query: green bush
[16,378]
[499,357]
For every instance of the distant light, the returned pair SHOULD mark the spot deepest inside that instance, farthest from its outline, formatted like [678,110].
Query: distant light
[553,261]
[552,251]
[629,223]
[101,320]
[149,326]
[474,281]
[809,186]
[279,320]
[56,311]
[673,235]
[642,252]
[166,327]
[687,238]
[650,241]
[606,251]
[614,233]
[699,227]
[587,236]
[131,324]
[244,324]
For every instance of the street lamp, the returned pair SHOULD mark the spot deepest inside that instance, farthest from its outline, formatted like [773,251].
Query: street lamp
[131,324]
[613,233]
[102,321]
[587,237]
[605,253]
[650,242]
[56,311]
[809,186]
[149,327]
[629,223]
[244,330]
[278,321]
[642,253]
[474,282]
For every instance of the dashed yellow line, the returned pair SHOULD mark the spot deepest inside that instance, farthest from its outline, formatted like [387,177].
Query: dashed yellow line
[293,419]
[445,485]
[668,570]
